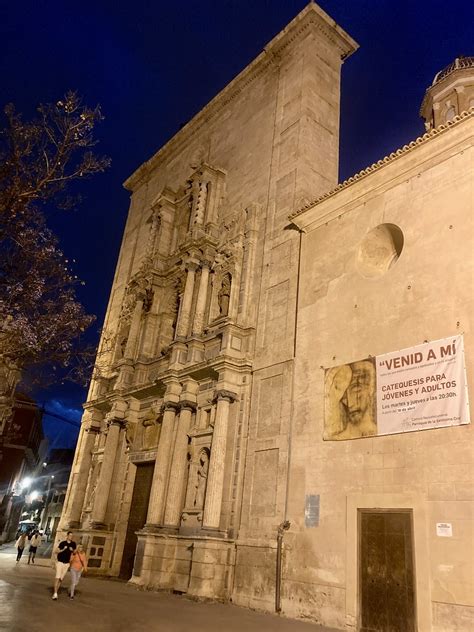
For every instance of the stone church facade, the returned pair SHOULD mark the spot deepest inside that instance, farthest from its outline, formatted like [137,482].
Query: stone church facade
[202,464]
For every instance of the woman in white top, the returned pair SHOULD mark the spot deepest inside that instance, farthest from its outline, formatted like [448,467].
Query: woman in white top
[35,541]
[20,545]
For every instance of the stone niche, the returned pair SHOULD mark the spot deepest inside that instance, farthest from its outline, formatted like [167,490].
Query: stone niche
[379,250]
[198,469]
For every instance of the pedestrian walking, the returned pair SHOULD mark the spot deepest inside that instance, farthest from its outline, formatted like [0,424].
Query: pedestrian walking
[20,545]
[78,566]
[64,551]
[35,541]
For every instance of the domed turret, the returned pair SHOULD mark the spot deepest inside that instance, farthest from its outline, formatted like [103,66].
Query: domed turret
[451,93]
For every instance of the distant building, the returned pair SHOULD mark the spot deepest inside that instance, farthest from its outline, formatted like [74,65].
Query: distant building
[55,480]
[248,413]
[22,448]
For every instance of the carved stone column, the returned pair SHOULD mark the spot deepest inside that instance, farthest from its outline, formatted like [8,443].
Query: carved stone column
[215,481]
[199,202]
[201,299]
[134,332]
[185,309]
[175,494]
[148,341]
[116,422]
[75,503]
[163,457]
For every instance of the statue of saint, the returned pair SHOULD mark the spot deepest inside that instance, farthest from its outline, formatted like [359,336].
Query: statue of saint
[224,295]
[150,427]
[201,479]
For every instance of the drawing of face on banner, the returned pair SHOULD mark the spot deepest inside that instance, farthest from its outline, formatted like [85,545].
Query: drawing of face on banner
[350,401]
[418,388]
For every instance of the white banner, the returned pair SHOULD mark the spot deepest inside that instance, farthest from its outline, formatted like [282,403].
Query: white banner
[417,388]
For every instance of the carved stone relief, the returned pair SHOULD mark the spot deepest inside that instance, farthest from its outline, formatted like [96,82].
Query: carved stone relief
[150,427]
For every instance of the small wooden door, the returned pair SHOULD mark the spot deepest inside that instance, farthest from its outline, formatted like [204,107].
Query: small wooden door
[137,518]
[386,579]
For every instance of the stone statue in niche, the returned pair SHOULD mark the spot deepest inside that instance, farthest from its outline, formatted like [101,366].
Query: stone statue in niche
[129,434]
[150,427]
[223,295]
[148,299]
[94,482]
[201,479]
[175,302]
[123,345]
[169,316]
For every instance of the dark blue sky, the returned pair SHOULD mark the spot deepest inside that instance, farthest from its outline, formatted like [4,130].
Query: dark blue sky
[153,65]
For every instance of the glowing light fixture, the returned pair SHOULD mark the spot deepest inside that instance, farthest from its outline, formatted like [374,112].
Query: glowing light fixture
[26,482]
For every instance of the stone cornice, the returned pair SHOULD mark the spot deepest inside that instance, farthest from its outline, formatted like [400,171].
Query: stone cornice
[428,136]
[311,16]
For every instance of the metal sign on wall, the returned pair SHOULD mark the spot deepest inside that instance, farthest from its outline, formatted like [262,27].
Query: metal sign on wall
[418,388]
[311,510]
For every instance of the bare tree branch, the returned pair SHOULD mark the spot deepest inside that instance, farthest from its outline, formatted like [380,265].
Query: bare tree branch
[41,319]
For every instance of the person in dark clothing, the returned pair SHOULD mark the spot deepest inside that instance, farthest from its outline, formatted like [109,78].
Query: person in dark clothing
[64,550]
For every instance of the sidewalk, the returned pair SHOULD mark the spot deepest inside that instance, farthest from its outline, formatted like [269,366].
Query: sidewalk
[114,606]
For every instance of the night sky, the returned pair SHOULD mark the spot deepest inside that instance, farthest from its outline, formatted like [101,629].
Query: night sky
[153,65]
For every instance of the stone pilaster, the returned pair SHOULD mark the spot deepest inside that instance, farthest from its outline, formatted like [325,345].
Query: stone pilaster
[175,494]
[215,481]
[198,322]
[163,457]
[79,479]
[182,327]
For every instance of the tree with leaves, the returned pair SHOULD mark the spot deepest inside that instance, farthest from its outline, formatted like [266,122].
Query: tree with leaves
[41,318]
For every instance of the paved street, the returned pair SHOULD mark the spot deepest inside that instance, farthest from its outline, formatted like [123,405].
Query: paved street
[108,605]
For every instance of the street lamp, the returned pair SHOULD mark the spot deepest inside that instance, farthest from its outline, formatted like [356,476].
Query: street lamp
[26,482]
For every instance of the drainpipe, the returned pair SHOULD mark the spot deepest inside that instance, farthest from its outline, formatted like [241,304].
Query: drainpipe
[284,526]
